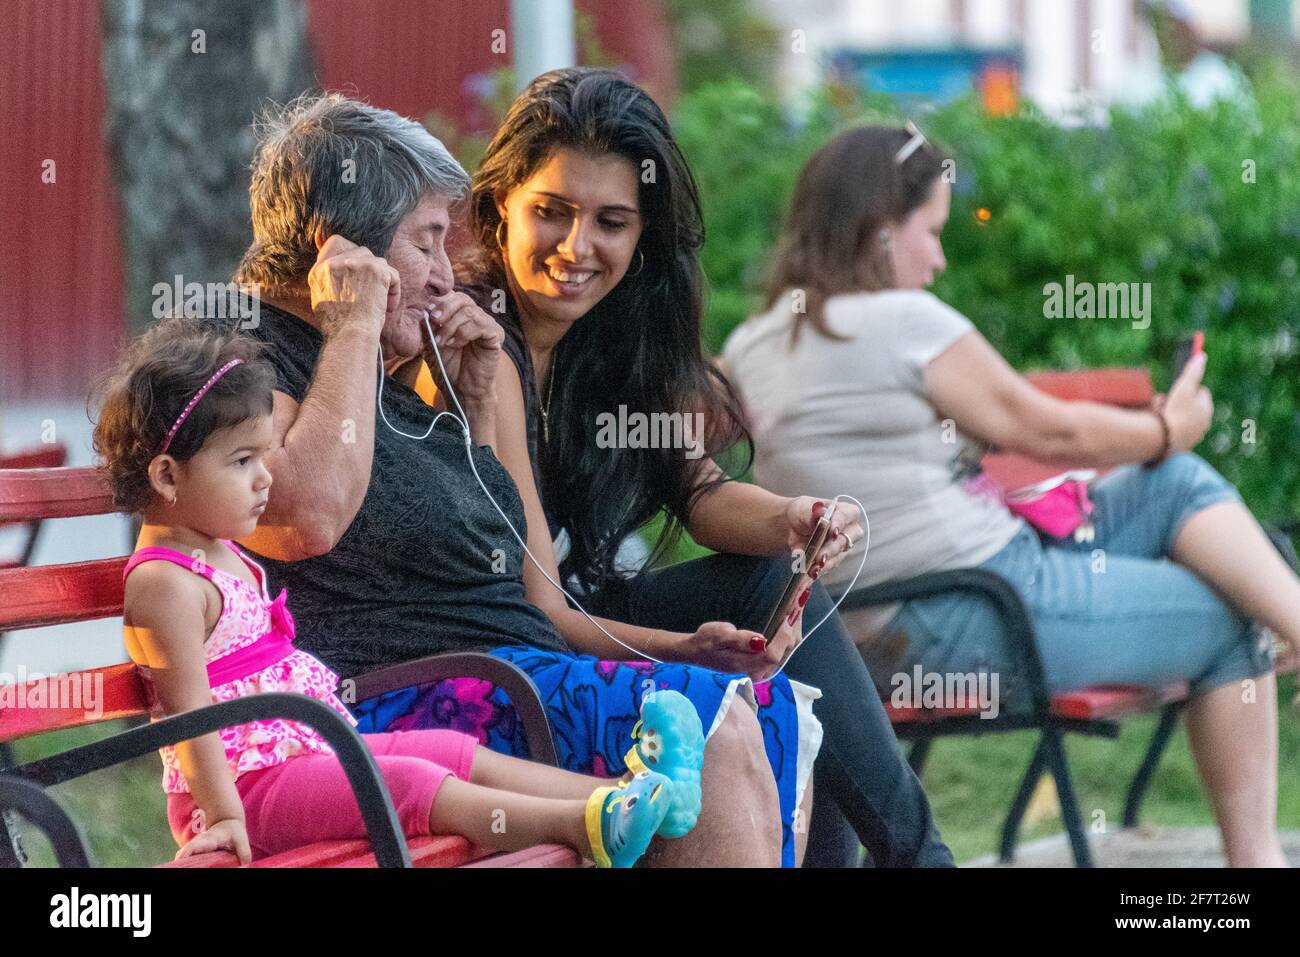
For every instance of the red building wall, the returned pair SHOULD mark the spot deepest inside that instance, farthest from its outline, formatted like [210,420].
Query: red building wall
[60,259]
[60,256]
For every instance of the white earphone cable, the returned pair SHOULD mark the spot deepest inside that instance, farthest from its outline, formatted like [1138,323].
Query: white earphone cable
[463,420]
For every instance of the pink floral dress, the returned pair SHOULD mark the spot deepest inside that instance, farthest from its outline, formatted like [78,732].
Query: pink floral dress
[249,652]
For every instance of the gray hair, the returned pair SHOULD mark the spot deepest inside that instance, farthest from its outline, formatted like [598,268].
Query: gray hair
[337,163]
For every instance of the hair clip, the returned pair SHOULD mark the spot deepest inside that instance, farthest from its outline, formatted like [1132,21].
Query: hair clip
[912,145]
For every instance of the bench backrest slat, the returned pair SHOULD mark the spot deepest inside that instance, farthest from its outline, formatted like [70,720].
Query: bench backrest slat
[40,457]
[1130,388]
[58,594]
[27,494]
[70,700]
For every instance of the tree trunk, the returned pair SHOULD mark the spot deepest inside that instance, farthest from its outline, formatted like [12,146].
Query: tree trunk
[184,80]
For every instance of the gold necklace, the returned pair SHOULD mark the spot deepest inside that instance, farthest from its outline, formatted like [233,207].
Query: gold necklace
[546,409]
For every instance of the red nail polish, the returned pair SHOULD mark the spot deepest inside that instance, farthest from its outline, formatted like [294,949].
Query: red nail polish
[835,533]
[817,509]
[803,599]
[790,619]
[816,571]
[757,644]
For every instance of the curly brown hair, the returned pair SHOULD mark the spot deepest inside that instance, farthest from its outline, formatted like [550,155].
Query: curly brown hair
[145,392]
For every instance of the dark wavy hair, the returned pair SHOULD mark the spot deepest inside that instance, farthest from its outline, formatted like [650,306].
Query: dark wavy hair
[846,194]
[143,395]
[641,346]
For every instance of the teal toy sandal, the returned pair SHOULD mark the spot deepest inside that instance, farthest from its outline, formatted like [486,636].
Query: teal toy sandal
[622,819]
[670,740]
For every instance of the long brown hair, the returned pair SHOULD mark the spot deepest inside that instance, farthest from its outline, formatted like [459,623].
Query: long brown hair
[851,190]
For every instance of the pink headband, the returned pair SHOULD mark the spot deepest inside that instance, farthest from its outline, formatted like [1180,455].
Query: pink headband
[195,401]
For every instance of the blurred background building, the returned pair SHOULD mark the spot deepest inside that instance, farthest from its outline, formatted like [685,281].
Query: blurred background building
[62,297]
[1062,54]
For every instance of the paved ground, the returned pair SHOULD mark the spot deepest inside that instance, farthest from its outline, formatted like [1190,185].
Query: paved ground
[1140,847]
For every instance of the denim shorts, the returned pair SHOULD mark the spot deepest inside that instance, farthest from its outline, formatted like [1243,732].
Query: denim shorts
[1114,610]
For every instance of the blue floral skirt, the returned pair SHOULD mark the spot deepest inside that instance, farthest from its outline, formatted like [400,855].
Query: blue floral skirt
[593,705]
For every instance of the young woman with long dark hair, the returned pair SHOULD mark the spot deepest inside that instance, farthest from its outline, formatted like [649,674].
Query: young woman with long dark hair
[589,228]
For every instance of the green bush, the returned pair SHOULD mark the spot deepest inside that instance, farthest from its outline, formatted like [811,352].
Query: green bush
[1203,205]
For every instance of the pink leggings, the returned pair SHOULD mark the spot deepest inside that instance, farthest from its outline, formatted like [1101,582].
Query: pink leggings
[307,798]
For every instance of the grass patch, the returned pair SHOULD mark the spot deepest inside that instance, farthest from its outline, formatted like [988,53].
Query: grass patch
[121,811]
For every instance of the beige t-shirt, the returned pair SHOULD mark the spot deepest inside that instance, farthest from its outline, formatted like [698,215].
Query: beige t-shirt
[832,417]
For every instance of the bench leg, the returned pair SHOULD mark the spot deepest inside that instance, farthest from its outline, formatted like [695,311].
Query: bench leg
[1054,743]
[917,754]
[1155,750]
[12,853]
[1011,826]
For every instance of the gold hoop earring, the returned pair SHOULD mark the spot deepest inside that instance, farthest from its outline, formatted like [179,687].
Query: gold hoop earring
[640,267]
[500,226]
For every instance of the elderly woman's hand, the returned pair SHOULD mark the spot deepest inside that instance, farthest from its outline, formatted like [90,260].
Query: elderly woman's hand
[351,287]
[845,535]
[469,341]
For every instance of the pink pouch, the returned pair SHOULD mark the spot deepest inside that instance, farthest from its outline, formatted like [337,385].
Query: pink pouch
[1058,506]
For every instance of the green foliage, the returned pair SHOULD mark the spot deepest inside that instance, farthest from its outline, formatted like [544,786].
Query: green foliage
[1203,205]
[720,40]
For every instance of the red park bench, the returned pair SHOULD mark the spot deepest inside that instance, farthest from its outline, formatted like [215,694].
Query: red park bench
[1094,711]
[83,591]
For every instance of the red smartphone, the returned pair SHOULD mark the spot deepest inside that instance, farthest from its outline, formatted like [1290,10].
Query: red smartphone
[799,579]
[1187,347]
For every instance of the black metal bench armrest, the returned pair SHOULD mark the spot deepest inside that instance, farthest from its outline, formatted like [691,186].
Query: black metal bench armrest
[524,696]
[382,826]
[43,811]
[999,592]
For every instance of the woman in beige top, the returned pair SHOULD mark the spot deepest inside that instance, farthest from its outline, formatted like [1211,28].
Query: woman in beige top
[858,381]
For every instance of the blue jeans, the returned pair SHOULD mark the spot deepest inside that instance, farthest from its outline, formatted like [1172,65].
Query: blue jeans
[1112,611]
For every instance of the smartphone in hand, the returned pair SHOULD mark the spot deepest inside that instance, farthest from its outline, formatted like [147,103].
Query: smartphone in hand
[1188,346]
[800,578]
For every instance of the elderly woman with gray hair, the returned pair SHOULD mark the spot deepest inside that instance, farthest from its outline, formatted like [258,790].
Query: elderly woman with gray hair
[380,530]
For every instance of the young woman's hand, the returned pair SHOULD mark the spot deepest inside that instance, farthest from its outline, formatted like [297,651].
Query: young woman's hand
[846,531]
[470,344]
[228,835]
[726,648]
[1189,407]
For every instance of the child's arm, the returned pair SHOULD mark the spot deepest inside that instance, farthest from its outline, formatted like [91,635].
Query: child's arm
[166,630]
